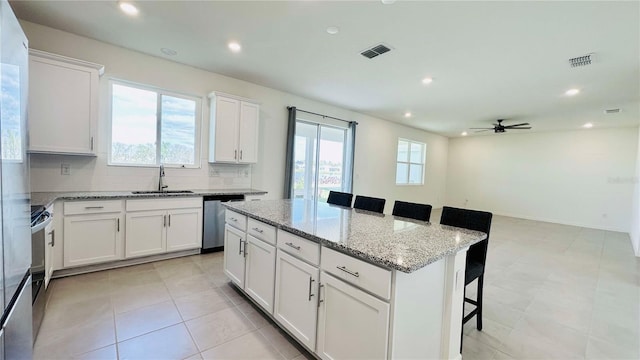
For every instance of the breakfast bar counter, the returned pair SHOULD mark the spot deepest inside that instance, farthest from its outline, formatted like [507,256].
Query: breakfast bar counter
[348,283]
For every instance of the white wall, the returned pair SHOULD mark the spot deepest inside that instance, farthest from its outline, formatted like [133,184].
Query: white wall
[581,178]
[635,211]
[375,142]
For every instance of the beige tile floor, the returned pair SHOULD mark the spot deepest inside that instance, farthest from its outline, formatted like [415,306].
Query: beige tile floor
[551,291]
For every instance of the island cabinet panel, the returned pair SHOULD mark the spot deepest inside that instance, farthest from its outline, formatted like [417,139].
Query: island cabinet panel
[234,255]
[369,277]
[351,323]
[296,298]
[260,272]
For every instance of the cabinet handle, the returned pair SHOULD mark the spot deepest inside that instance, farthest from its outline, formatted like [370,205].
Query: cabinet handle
[53,237]
[93,207]
[258,230]
[293,246]
[164,220]
[169,222]
[240,154]
[245,249]
[310,282]
[352,273]
[240,247]
[320,295]
[92,143]
[235,154]
[118,224]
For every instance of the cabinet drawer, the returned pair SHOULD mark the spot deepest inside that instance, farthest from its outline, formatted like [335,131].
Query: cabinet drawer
[305,249]
[362,274]
[92,207]
[261,231]
[164,204]
[236,220]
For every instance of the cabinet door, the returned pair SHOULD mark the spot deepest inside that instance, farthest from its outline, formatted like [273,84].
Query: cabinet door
[225,136]
[248,132]
[90,239]
[296,303]
[184,229]
[260,272]
[49,243]
[234,255]
[146,233]
[63,107]
[351,323]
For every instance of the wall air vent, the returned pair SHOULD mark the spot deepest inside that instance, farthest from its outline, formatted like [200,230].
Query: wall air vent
[612,111]
[580,61]
[375,51]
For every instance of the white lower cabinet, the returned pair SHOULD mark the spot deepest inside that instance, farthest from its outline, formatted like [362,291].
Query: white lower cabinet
[233,254]
[160,226]
[146,233]
[351,323]
[260,271]
[92,238]
[296,297]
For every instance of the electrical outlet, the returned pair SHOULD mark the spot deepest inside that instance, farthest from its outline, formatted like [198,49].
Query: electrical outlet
[65,169]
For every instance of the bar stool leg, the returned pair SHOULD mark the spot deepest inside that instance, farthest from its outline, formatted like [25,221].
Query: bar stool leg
[479,300]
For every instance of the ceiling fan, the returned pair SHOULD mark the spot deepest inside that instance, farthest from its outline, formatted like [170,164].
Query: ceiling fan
[499,128]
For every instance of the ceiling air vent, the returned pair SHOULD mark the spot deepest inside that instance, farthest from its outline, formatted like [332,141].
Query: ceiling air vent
[580,61]
[375,51]
[612,111]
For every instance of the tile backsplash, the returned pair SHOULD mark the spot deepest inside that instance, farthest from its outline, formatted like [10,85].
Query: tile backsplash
[93,174]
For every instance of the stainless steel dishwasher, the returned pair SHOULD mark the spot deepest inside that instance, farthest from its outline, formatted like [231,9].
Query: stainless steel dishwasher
[213,224]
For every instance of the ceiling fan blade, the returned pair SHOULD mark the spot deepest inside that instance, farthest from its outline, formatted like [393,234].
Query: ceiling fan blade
[520,128]
[510,126]
[481,128]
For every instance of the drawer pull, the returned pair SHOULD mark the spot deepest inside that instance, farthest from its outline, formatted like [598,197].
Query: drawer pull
[293,246]
[258,230]
[352,273]
[94,207]
[233,219]
[310,282]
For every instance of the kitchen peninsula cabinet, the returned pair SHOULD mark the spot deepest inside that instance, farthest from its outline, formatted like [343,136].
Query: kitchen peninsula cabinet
[233,129]
[63,104]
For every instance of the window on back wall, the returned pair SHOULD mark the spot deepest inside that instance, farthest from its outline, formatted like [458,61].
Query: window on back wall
[410,162]
[150,126]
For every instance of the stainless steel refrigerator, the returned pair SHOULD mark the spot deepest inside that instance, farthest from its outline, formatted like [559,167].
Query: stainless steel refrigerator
[15,245]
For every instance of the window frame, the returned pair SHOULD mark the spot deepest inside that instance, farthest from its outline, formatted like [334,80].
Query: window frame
[409,162]
[159,91]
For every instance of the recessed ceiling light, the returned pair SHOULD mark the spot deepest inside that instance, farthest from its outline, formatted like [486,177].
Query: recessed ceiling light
[587,125]
[572,92]
[427,80]
[407,114]
[234,46]
[388,2]
[168,52]
[464,133]
[333,30]
[128,8]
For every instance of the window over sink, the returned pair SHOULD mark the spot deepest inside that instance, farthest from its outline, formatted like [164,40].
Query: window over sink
[151,126]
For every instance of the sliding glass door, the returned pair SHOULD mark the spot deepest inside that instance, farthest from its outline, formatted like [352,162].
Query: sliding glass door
[321,160]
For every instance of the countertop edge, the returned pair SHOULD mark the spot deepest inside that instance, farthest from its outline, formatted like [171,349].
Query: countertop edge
[362,256]
[47,198]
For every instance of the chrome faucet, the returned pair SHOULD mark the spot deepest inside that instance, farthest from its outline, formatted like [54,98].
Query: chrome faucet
[161,187]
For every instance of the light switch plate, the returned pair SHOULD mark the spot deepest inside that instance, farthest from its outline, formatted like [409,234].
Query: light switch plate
[65,169]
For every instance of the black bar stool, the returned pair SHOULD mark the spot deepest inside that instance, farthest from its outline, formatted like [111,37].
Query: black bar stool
[412,210]
[339,198]
[369,203]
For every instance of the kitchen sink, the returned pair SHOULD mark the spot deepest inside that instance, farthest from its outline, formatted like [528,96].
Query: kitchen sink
[163,192]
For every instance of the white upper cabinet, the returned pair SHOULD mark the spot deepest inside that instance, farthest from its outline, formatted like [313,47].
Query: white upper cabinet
[233,130]
[63,104]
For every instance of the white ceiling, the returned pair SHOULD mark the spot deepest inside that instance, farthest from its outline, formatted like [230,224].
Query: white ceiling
[488,60]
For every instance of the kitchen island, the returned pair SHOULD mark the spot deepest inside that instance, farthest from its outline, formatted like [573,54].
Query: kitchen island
[348,283]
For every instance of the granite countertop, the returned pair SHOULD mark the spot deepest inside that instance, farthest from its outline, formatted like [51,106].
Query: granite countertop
[390,241]
[47,198]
